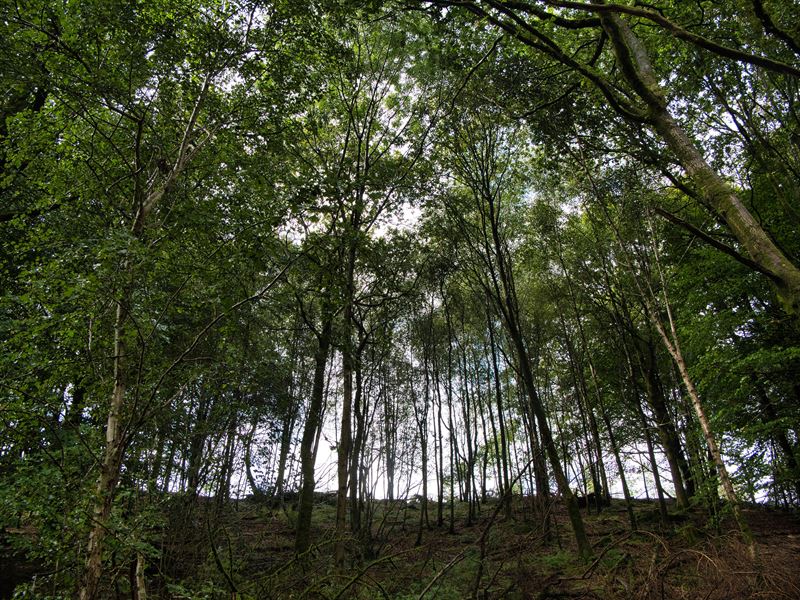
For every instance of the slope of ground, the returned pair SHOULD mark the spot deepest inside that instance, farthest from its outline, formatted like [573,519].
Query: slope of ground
[245,550]
[498,556]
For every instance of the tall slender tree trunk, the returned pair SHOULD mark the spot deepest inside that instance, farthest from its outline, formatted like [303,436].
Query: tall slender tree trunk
[593,451]
[287,430]
[601,468]
[348,364]
[258,493]
[160,449]
[504,477]
[620,467]
[485,454]
[169,467]
[466,411]
[662,504]
[294,389]
[229,455]
[506,300]
[584,548]
[197,441]
[498,465]
[390,437]
[310,436]
[672,344]
[358,441]
[637,408]
[421,417]
[450,427]
[439,446]
[343,452]
[541,478]
[722,471]
[147,194]
[110,466]
[664,422]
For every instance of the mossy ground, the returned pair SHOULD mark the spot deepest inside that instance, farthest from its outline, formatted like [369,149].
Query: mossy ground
[494,557]
[246,550]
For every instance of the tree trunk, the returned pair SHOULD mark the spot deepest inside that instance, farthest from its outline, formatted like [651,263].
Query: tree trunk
[672,344]
[451,433]
[503,458]
[160,449]
[485,453]
[505,298]
[229,455]
[421,417]
[715,191]
[724,478]
[584,548]
[197,441]
[310,432]
[110,467]
[605,493]
[287,434]
[439,446]
[664,422]
[141,585]
[467,410]
[358,441]
[618,460]
[390,438]
[248,467]
[345,441]
[662,505]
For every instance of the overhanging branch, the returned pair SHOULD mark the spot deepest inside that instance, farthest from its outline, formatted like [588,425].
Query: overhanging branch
[724,248]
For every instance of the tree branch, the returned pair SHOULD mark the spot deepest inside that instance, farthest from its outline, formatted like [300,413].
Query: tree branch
[683,34]
[724,248]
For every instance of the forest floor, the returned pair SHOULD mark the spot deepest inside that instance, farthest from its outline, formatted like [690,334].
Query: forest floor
[497,556]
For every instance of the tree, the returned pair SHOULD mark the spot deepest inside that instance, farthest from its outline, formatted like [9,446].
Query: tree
[503,242]
[558,30]
[481,150]
[129,121]
[361,143]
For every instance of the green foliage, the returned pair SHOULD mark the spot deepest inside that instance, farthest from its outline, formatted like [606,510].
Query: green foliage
[557,561]
[204,185]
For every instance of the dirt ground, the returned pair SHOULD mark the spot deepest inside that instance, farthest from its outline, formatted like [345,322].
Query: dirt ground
[502,556]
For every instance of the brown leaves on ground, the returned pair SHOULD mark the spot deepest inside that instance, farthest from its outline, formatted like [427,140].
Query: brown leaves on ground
[207,549]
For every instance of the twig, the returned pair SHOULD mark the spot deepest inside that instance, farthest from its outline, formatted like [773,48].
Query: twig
[480,541]
[456,559]
[218,562]
[361,573]
[596,561]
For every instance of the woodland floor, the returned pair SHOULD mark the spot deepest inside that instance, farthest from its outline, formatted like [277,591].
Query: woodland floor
[253,554]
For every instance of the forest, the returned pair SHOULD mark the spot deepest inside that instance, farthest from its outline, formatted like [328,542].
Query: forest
[399,299]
